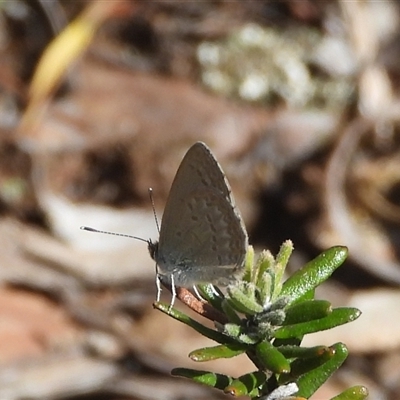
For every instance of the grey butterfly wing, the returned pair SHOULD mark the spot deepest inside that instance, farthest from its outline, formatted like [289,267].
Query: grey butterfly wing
[202,236]
[199,169]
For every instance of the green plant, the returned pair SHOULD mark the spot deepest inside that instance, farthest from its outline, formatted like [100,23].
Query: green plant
[266,318]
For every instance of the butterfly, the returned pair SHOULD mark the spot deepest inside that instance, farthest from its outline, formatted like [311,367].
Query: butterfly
[202,236]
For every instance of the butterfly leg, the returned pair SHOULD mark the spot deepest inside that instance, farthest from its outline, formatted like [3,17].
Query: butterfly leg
[158,285]
[197,293]
[215,291]
[173,290]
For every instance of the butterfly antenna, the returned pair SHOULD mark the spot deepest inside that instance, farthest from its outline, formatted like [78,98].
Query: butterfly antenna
[158,277]
[154,209]
[89,229]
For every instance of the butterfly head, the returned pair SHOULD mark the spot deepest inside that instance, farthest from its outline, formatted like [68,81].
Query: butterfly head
[153,248]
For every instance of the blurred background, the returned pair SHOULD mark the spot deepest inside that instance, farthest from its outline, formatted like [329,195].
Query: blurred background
[298,100]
